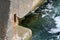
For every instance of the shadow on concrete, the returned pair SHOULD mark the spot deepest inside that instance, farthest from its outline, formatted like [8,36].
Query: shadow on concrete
[4,16]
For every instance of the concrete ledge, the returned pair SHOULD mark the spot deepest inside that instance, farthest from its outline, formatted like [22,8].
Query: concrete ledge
[23,33]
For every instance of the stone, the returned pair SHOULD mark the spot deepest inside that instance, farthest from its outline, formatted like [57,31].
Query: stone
[27,6]
[23,7]
[24,33]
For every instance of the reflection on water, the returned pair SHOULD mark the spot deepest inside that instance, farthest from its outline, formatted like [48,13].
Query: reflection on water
[45,21]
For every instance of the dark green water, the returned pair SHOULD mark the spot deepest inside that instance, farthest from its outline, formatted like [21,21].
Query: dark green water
[42,21]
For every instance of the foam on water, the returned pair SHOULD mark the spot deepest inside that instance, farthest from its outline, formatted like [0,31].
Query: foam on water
[57,29]
[51,11]
[48,11]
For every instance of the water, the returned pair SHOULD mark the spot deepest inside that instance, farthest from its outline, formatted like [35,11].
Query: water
[45,21]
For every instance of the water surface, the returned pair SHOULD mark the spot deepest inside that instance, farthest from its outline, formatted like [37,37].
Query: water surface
[45,21]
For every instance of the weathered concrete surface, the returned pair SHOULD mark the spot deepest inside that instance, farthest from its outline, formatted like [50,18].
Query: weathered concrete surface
[4,16]
[36,3]
[25,6]
[7,10]
[23,33]
[10,30]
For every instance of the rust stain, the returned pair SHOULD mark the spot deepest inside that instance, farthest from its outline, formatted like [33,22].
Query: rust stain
[14,26]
